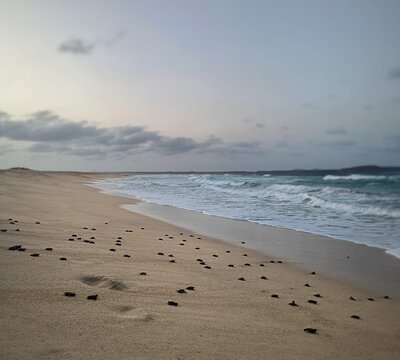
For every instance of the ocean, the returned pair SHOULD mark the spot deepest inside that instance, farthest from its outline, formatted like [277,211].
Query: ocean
[356,207]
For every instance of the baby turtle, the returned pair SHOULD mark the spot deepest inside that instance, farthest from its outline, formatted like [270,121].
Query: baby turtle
[35,255]
[93,229]
[262,265]
[92,238]
[315,302]
[92,297]
[143,273]
[312,273]
[86,241]
[181,244]
[160,253]
[293,303]
[231,265]
[279,261]
[172,303]
[197,248]
[15,247]
[16,230]
[307,285]
[181,291]
[63,258]
[184,240]
[118,244]
[387,297]
[242,279]
[190,287]
[199,259]
[49,249]
[244,254]
[247,264]
[21,249]
[170,255]
[161,239]
[275,296]
[355,317]
[112,249]
[74,235]
[263,277]
[85,228]
[37,222]
[207,267]
[202,263]
[318,295]
[243,242]
[69,294]
[351,298]
[215,255]
[371,299]
[310,330]
[119,238]
[272,261]
[3,230]
[127,256]
[172,261]
[180,233]
[228,251]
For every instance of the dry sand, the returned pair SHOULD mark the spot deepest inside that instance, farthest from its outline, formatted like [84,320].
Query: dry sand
[223,318]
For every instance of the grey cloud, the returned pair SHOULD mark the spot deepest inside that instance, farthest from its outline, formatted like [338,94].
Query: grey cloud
[336,131]
[80,46]
[53,134]
[282,144]
[394,143]
[77,46]
[250,120]
[5,148]
[396,100]
[368,107]
[344,143]
[308,105]
[395,73]
[260,125]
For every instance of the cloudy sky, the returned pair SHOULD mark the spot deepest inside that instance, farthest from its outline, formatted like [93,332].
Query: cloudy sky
[199,85]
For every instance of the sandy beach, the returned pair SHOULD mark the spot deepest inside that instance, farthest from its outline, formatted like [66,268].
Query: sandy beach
[233,302]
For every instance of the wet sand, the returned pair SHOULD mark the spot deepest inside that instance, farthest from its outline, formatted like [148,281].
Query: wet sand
[222,318]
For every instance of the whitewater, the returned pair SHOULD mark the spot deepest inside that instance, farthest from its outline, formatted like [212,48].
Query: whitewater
[356,207]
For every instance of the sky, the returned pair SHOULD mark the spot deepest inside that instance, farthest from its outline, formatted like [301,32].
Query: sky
[180,85]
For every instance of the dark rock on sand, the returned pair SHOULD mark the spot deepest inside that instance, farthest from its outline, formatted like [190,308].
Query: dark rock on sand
[310,330]
[92,297]
[69,294]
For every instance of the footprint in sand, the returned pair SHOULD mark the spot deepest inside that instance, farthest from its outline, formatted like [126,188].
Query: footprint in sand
[103,282]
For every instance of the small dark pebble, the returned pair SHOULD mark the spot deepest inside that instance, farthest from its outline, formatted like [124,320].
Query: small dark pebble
[355,317]
[191,288]
[181,291]
[14,247]
[231,265]
[263,277]
[127,256]
[143,273]
[351,298]
[160,253]
[69,294]
[371,299]
[242,279]
[293,303]
[307,285]
[310,330]
[35,255]
[49,249]
[112,249]
[275,296]
[315,302]
[318,295]
[172,303]
[92,297]
[63,258]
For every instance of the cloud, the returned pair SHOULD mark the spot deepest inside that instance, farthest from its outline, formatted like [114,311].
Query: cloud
[5,148]
[80,46]
[336,131]
[77,46]
[396,100]
[394,74]
[250,120]
[368,107]
[48,133]
[341,143]
[260,125]
[394,143]
[281,144]
[308,105]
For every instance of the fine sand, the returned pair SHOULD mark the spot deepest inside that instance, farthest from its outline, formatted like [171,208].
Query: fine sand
[222,318]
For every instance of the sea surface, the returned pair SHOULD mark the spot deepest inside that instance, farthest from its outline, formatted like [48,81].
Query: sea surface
[357,207]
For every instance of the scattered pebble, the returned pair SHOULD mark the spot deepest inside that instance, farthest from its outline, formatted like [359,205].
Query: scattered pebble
[310,330]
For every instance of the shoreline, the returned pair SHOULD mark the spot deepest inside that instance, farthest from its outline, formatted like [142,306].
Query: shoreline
[243,311]
[367,267]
